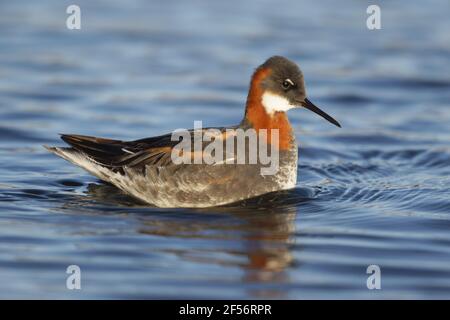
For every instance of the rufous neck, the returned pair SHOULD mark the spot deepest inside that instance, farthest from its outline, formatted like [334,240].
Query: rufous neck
[258,118]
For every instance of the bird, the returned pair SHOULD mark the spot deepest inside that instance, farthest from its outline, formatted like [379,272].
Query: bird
[147,169]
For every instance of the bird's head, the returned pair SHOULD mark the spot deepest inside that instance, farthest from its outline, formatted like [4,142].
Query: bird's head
[279,86]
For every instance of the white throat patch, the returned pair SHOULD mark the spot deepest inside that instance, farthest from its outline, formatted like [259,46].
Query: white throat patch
[273,102]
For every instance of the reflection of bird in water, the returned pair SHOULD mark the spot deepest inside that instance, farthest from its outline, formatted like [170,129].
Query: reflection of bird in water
[268,238]
[254,236]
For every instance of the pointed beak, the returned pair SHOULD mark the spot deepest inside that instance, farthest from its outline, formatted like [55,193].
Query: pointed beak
[310,106]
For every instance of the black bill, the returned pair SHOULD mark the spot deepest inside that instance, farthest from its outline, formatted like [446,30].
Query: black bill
[310,106]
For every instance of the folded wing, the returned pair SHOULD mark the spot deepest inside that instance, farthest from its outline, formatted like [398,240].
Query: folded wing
[116,154]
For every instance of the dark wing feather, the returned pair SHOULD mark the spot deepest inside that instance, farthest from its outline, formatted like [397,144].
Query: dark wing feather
[102,150]
[118,154]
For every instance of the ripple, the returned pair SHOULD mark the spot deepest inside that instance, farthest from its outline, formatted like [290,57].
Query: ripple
[351,171]
[413,158]
[382,139]
[43,96]
[349,99]
[12,134]
[70,183]
[439,158]
[408,83]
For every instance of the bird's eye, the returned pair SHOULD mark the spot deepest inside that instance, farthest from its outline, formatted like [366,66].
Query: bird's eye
[287,84]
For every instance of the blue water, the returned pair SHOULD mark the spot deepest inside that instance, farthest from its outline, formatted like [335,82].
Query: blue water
[376,191]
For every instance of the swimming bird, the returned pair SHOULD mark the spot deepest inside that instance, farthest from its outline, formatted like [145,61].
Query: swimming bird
[147,169]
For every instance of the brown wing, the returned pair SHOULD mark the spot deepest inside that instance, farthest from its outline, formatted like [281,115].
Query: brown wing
[116,153]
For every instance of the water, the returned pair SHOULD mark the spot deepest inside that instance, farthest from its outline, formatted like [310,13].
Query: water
[376,191]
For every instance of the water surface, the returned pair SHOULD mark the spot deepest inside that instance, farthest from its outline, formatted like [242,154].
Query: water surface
[376,191]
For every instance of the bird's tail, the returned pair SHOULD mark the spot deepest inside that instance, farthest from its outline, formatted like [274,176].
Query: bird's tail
[68,154]
[79,159]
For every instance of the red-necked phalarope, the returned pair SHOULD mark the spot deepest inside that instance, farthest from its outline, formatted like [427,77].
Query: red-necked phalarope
[147,169]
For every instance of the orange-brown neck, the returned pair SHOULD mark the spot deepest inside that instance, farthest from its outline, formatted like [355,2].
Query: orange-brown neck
[258,118]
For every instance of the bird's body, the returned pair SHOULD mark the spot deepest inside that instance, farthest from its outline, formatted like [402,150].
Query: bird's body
[149,170]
